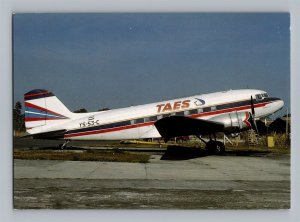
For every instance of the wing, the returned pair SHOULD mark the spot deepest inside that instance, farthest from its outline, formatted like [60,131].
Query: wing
[175,126]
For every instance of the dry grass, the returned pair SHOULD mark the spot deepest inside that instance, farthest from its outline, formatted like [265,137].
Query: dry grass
[260,148]
[90,155]
[281,140]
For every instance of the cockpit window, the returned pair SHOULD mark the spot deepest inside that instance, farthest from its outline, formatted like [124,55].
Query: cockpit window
[265,95]
[258,97]
[261,96]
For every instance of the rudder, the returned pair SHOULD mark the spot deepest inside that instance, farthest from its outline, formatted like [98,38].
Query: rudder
[42,108]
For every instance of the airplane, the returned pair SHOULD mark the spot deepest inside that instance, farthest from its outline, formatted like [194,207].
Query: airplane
[230,112]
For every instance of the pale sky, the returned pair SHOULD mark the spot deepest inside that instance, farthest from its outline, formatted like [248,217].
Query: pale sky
[117,60]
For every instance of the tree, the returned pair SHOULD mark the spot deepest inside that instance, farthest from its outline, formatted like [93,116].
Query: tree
[103,109]
[82,110]
[18,118]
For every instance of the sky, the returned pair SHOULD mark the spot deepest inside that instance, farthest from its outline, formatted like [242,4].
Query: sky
[114,60]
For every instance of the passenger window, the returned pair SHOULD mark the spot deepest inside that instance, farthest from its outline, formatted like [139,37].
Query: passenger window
[141,120]
[159,117]
[200,110]
[132,121]
[126,123]
[165,115]
[186,113]
[146,119]
[194,111]
[153,118]
[213,108]
[180,114]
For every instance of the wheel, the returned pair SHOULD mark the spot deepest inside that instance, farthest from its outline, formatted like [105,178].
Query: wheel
[62,146]
[220,148]
[215,148]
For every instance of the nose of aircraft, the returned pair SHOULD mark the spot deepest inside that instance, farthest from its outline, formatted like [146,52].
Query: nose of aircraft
[278,104]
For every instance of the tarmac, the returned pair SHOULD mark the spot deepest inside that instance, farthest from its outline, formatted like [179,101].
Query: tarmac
[203,182]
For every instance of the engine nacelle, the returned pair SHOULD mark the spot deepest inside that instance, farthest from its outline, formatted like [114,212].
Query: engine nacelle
[234,122]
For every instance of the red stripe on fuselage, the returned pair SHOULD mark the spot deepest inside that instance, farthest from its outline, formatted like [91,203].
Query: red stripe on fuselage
[151,123]
[108,130]
[246,120]
[228,110]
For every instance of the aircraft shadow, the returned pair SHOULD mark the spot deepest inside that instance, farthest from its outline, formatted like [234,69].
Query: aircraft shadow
[182,153]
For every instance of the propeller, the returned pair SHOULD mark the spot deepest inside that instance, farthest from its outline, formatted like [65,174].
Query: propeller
[253,122]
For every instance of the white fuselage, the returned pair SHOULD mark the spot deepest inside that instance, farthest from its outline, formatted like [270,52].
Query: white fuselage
[137,122]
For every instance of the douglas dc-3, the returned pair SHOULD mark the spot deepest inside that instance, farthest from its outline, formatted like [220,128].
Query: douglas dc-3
[233,111]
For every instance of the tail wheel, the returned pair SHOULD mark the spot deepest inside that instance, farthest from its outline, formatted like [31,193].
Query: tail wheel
[62,146]
[215,148]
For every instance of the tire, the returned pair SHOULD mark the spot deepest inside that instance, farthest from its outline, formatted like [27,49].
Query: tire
[215,148]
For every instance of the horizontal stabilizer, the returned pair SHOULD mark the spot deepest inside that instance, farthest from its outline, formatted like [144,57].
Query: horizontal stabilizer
[52,135]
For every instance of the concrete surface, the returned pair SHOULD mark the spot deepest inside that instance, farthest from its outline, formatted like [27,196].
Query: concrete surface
[203,168]
[207,182]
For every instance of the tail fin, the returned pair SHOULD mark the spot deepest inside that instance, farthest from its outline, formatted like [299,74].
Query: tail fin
[43,108]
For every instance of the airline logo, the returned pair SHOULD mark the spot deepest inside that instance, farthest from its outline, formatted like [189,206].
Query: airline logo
[177,105]
[168,107]
[199,102]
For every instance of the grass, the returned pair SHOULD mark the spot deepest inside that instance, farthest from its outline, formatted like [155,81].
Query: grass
[116,155]
[89,155]
[259,149]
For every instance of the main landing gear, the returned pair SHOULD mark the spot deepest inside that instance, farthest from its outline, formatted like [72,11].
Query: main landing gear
[213,147]
[62,146]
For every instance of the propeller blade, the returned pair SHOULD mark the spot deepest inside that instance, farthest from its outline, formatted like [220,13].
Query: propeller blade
[253,123]
[252,107]
[255,127]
